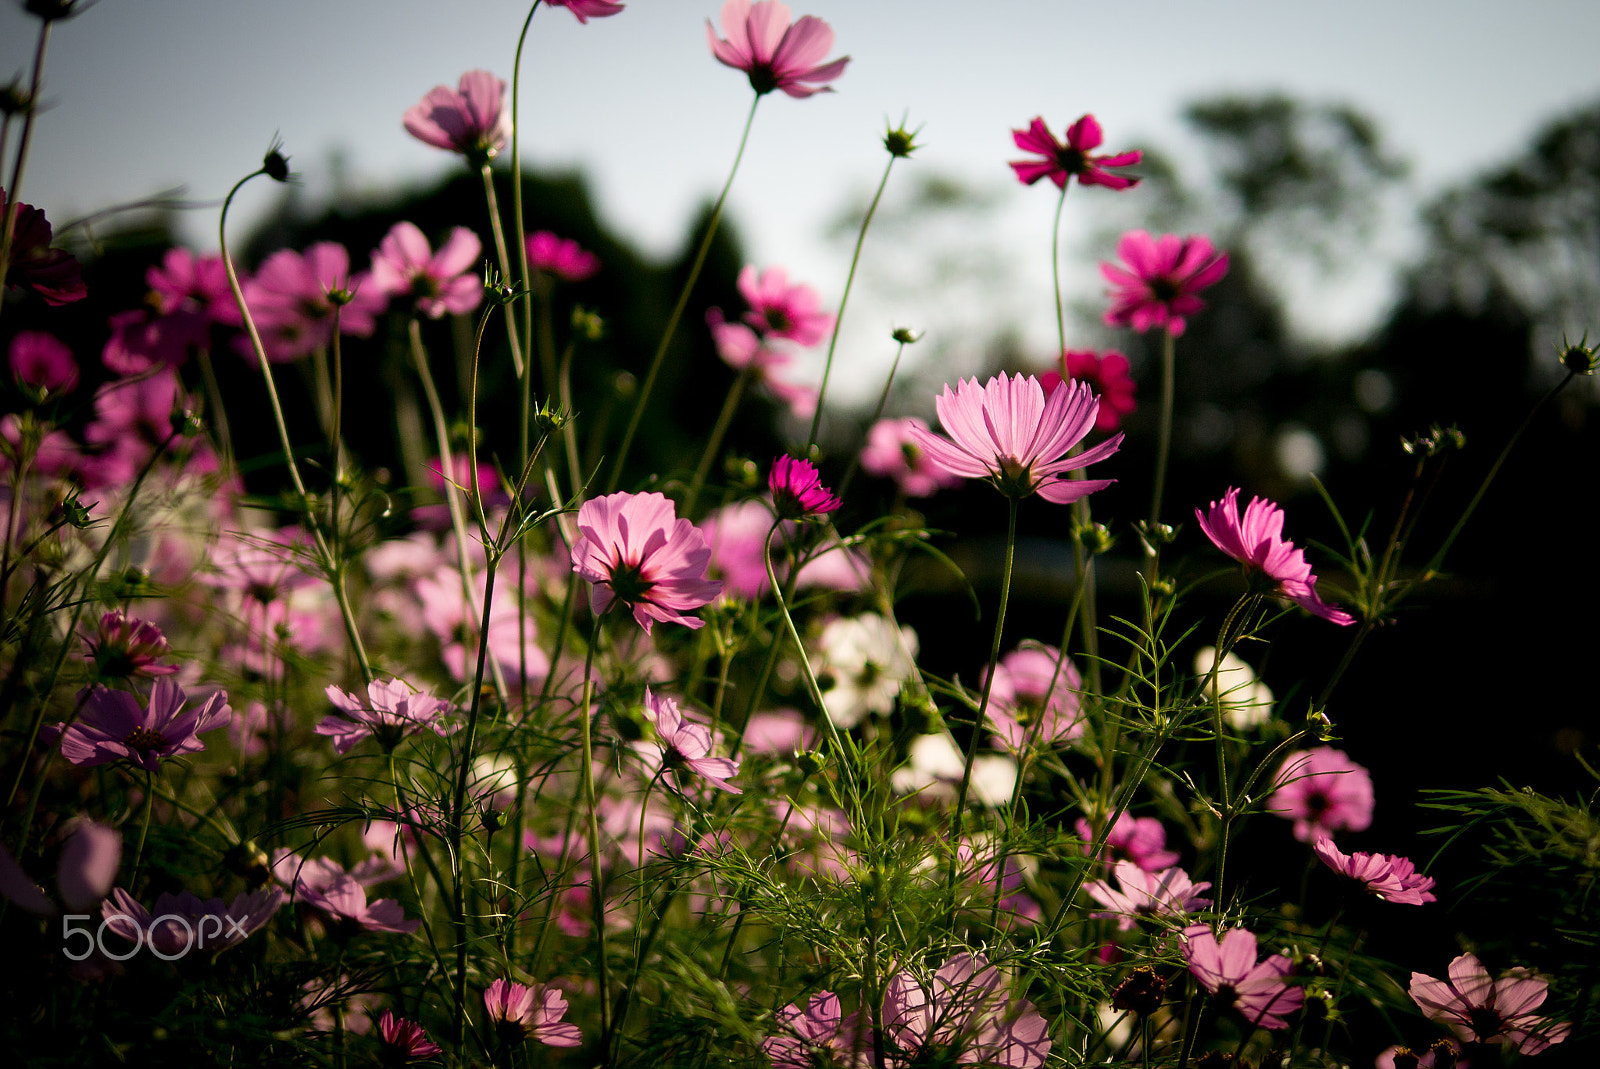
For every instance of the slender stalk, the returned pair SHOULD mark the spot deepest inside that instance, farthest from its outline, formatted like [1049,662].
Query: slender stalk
[1163,447]
[1055,276]
[525,301]
[877,414]
[144,830]
[596,889]
[643,399]
[13,190]
[498,230]
[718,430]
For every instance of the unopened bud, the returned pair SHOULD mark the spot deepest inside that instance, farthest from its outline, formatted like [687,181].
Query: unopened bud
[1094,537]
[14,99]
[1580,358]
[810,762]
[901,142]
[905,336]
[741,472]
[75,513]
[549,420]
[1140,993]
[624,384]
[275,165]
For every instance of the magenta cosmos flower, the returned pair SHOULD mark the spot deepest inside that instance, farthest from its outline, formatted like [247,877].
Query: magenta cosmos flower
[892,453]
[635,550]
[124,646]
[779,310]
[584,10]
[1161,281]
[561,257]
[797,490]
[1141,840]
[391,711]
[520,1012]
[775,55]
[1481,1010]
[1166,895]
[1062,162]
[405,264]
[818,1036]
[1229,970]
[1322,791]
[53,274]
[1393,879]
[294,296]
[964,1016]
[405,1041]
[1107,374]
[43,361]
[470,119]
[114,726]
[1256,541]
[686,745]
[1021,696]
[1007,432]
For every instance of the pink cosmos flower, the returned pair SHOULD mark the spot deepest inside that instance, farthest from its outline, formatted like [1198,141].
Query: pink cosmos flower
[779,310]
[124,646]
[292,298]
[1141,840]
[520,1012]
[1480,1010]
[443,281]
[1322,791]
[1391,878]
[1159,285]
[1017,698]
[177,922]
[1005,431]
[1061,162]
[470,119]
[1228,969]
[454,621]
[51,273]
[342,897]
[741,347]
[1167,895]
[132,418]
[115,727]
[819,1035]
[43,361]
[892,453]
[584,10]
[963,1017]
[84,873]
[562,257]
[141,340]
[775,55]
[687,745]
[391,711]
[1256,541]
[185,282]
[1107,374]
[797,490]
[635,550]
[405,1041]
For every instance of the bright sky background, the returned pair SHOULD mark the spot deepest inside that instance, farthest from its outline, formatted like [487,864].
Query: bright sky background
[148,94]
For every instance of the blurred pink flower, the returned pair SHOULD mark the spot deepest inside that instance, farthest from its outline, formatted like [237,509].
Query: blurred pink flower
[741,347]
[775,55]
[819,1035]
[1166,895]
[292,298]
[687,745]
[1061,162]
[1017,698]
[892,453]
[124,646]
[797,490]
[132,418]
[1107,374]
[51,273]
[584,10]
[404,264]
[43,361]
[405,1041]
[1142,840]
[559,256]
[454,621]
[1256,541]
[1005,431]
[779,310]
[1480,1010]
[470,119]
[1159,285]
[177,922]
[114,726]
[1228,969]
[519,1013]
[635,550]
[341,896]
[84,874]
[1322,791]
[391,711]
[1393,879]
[964,1016]
[141,340]
[185,282]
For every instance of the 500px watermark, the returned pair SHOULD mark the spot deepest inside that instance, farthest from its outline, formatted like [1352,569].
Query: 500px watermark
[162,936]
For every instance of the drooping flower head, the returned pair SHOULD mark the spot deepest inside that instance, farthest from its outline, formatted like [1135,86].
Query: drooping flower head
[1391,878]
[775,55]
[1167,895]
[688,745]
[1007,432]
[1229,970]
[115,727]
[1062,162]
[1256,541]
[53,274]
[779,310]
[1322,791]
[963,1016]
[892,453]
[818,1037]
[797,490]
[43,361]
[1159,280]
[406,265]
[561,257]
[124,646]
[391,710]
[635,550]
[470,119]
[405,1041]
[519,1012]
[1107,375]
[1035,685]
[1481,1010]
[584,10]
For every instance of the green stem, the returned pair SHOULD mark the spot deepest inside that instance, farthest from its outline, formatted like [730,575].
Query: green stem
[1055,277]
[714,443]
[877,414]
[596,889]
[144,830]
[1163,448]
[13,191]
[498,230]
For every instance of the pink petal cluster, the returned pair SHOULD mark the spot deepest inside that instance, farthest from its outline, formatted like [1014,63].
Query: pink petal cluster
[124,646]
[1158,282]
[470,119]
[1391,878]
[635,550]
[819,1035]
[115,727]
[1107,374]
[405,1040]
[797,490]
[688,745]
[324,885]
[1007,432]
[1141,840]
[761,42]
[178,921]
[779,310]
[185,282]
[43,361]
[561,257]
[53,274]
[1166,895]
[1062,161]
[1322,791]
[584,10]
[392,710]
[1229,970]
[292,298]
[84,873]
[1482,1010]
[519,1012]
[1256,541]
[444,281]
[1018,698]
[892,452]
[964,1016]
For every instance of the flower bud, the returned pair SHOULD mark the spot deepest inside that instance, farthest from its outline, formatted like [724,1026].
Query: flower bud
[900,142]
[905,336]
[810,762]
[741,472]
[275,165]
[1580,358]
[1095,537]
[1140,993]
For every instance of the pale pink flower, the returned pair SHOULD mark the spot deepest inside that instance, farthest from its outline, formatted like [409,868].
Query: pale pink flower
[43,361]
[1480,1010]
[443,281]
[779,310]
[635,550]
[454,620]
[797,490]
[892,453]
[1160,283]
[1256,541]
[1017,698]
[391,710]
[1391,878]
[775,55]
[561,257]
[1141,840]
[84,873]
[1229,970]
[584,10]
[1322,791]
[819,1035]
[115,726]
[1062,162]
[405,1040]
[520,1012]
[1166,895]
[964,1016]
[294,295]
[1005,431]
[688,745]
[185,282]
[470,119]
[324,885]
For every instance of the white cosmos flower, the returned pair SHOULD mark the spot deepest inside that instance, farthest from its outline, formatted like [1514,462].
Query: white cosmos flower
[1246,701]
[935,765]
[865,658]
